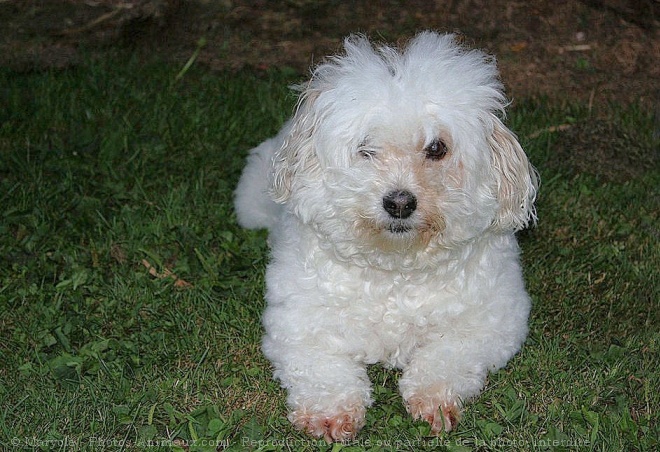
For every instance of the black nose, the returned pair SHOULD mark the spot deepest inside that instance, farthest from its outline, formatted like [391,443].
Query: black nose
[400,203]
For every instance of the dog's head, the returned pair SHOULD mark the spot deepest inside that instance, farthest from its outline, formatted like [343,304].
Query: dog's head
[397,150]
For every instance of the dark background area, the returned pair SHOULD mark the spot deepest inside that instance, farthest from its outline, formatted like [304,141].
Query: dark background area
[594,51]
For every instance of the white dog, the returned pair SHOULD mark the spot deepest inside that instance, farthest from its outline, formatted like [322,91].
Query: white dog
[392,197]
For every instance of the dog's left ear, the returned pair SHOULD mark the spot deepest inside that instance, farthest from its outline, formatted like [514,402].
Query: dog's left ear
[517,180]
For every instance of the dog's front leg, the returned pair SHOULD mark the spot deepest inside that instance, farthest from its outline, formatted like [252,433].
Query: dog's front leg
[328,391]
[430,390]
[439,377]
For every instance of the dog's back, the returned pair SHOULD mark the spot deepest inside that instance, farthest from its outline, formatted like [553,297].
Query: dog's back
[254,207]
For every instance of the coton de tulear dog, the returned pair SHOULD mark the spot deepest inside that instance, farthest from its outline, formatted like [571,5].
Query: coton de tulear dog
[392,197]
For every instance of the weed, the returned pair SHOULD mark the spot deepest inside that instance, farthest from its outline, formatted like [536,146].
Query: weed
[130,300]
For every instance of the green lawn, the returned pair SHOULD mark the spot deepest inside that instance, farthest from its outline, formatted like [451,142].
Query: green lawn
[130,300]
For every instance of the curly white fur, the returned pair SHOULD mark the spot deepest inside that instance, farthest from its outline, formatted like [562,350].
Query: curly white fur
[430,283]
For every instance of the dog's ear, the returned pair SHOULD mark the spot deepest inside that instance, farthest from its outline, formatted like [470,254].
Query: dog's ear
[296,155]
[517,180]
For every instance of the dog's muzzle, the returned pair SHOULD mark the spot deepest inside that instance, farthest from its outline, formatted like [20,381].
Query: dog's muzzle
[399,204]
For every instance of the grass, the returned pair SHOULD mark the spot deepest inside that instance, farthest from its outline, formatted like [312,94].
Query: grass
[130,300]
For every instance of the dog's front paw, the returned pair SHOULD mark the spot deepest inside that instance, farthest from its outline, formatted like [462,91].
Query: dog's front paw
[441,413]
[336,428]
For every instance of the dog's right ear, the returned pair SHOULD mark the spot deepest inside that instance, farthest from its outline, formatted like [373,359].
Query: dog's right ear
[296,157]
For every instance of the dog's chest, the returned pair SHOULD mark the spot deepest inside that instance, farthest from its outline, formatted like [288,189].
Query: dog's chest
[387,313]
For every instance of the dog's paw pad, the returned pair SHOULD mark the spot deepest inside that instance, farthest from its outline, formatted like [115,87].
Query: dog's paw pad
[442,415]
[338,428]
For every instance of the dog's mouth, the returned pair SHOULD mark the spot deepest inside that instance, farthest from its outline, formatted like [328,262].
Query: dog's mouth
[399,228]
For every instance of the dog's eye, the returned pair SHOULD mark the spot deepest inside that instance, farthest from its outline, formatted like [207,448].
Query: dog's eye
[366,152]
[436,150]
